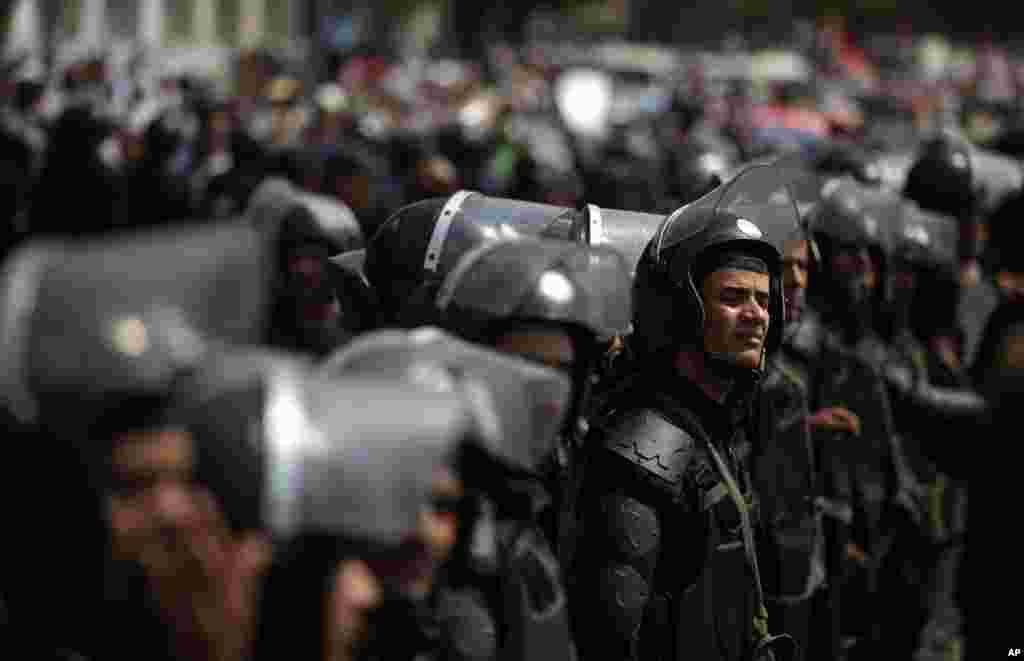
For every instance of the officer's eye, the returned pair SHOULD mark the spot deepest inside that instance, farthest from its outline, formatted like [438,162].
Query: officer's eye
[732,296]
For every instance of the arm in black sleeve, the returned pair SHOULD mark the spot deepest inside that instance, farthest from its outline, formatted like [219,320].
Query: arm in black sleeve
[615,562]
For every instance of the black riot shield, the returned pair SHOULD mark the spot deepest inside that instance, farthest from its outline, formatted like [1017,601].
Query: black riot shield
[544,280]
[518,406]
[125,315]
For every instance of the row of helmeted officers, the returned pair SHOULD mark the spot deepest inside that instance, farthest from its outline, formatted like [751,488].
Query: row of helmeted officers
[500,429]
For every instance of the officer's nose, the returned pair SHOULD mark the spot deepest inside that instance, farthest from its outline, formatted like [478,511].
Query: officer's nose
[172,504]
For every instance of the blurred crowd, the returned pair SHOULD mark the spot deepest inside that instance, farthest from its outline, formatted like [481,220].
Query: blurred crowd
[561,354]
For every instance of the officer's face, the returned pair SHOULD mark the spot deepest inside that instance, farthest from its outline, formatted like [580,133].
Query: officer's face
[854,268]
[795,269]
[736,314]
[410,567]
[551,348]
[902,281]
[151,502]
[1011,285]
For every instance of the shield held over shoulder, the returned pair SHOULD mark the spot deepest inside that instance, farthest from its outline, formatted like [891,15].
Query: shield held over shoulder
[127,314]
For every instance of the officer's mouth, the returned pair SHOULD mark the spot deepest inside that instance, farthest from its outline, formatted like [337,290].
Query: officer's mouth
[750,339]
[406,566]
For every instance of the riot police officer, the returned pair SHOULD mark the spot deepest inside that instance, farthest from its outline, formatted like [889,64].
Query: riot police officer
[305,230]
[502,594]
[942,180]
[136,317]
[834,348]
[785,466]
[555,303]
[666,565]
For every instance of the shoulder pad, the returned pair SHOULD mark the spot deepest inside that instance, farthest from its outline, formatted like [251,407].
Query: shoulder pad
[648,440]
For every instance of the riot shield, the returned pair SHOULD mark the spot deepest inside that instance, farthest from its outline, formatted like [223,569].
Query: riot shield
[996,177]
[125,315]
[469,219]
[627,232]
[348,457]
[518,406]
[759,194]
[550,280]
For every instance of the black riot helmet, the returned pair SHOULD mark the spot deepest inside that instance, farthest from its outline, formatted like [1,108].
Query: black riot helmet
[409,256]
[127,315]
[942,177]
[517,407]
[291,216]
[924,239]
[583,291]
[927,243]
[306,230]
[668,305]
[851,218]
[847,214]
[838,159]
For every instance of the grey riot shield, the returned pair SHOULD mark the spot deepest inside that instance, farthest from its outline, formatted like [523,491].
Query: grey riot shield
[549,280]
[286,450]
[285,212]
[469,219]
[356,457]
[996,177]
[518,406]
[124,315]
[761,190]
[627,232]
[224,406]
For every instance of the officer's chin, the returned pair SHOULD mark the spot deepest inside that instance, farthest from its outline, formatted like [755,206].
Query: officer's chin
[749,359]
